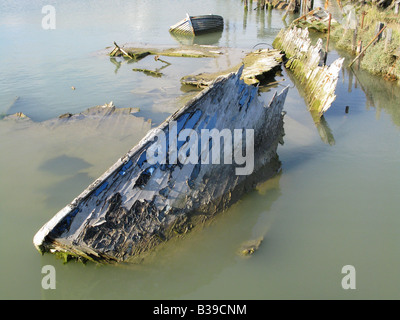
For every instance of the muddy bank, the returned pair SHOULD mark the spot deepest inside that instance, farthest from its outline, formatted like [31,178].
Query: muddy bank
[79,136]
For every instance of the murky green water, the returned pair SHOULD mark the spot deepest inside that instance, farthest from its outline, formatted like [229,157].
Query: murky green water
[331,205]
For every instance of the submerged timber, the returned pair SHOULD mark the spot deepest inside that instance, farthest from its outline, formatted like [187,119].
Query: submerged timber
[135,205]
[259,66]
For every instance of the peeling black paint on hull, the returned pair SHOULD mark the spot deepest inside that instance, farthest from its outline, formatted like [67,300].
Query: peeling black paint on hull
[136,206]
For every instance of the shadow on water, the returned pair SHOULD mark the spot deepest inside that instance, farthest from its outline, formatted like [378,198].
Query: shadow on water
[64,165]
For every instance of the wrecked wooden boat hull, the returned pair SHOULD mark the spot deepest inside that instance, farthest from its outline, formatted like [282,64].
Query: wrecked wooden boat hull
[306,62]
[138,204]
[196,25]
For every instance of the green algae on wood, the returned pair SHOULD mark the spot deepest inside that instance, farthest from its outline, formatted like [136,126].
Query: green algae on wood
[306,62]
[259,66]
[193,51]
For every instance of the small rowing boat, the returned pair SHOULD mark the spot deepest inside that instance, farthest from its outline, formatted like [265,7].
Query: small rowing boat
[195,25]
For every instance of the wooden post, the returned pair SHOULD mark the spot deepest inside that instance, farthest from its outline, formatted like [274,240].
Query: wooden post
[340,5]
[362,19]
[327,39]
[378,30]
[359,47]
[358,56]
[297,6]
[290,7]
[354,41]
[310,5]
[388,39]
[329,33]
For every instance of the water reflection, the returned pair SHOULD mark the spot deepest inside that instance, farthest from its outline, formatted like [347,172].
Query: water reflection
[321,124]
[212,38]
[116,63]
[380,94]
[323,128]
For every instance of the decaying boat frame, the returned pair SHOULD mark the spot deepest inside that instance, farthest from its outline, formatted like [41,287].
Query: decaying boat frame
[135,205]
[306,62]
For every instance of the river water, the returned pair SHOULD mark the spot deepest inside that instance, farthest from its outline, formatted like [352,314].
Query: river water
[334,203]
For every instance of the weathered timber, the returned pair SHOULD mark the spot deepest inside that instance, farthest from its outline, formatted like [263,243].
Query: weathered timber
[152,73]
[190,51]
[136,55]
[259,66]
[137,204]
[306,62]
[317,19]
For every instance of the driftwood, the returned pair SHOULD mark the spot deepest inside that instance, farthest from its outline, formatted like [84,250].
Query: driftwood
[317,19]
[136,205]
[306,61]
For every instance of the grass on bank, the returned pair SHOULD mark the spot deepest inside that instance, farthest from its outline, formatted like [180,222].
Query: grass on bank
[377,59]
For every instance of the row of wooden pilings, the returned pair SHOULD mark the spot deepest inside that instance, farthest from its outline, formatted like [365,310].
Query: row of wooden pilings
[295,6]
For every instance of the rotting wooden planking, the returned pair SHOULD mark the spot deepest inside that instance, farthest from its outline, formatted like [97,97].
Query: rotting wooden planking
[259,65]
[305,60]
[189,51]
[135,205]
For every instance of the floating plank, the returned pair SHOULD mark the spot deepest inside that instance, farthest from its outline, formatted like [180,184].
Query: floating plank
[137,205]
[306,62]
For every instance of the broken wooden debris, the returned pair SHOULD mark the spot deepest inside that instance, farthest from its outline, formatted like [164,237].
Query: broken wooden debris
[136,55]
[152,73]
[306,62]
[190,51]
[137,205]
[317,19]
[259,66]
